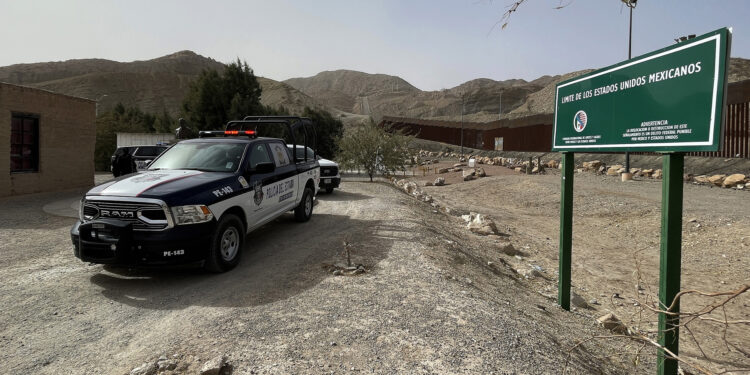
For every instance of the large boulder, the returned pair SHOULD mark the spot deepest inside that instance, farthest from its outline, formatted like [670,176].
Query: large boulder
[440,181]
[702,179]
[717,179]
[734,180]
[592,165]
[479,172]
[614,170]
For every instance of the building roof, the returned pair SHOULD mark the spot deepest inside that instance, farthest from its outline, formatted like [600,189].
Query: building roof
[28,88]
[504,123]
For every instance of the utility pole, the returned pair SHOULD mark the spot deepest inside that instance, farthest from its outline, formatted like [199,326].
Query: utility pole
[500,107]
[630,4]
[96,107]
[463,96]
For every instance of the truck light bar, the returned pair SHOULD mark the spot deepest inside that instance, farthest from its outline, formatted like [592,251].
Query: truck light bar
[239,132]
[224,133]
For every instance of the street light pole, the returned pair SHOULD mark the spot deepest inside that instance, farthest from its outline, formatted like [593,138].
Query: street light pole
[631,4]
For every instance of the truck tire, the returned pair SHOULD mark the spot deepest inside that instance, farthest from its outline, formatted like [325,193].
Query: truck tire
[226,245]
[303,212]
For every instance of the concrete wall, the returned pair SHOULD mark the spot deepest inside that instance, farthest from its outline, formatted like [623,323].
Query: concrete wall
[140,139]
[67,136]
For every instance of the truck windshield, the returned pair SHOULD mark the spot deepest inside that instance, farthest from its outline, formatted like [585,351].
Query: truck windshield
[209,157]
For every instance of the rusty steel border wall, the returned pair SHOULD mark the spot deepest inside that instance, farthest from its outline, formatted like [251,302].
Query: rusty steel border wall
[534,133]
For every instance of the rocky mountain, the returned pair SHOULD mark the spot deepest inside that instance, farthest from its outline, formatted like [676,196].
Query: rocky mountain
[153,85]
[543,101]
[160,85]
[380,95]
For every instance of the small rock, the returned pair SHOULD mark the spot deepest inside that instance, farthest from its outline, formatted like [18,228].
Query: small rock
[508,249]
[333,343]
[440,181]
[337,273]
[148,368]
[480,224]
[612,323]
[578,301]
[479,172]
[593,302]
[214,365]
[166,365]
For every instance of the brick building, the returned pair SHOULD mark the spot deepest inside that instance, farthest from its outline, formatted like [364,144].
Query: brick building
[46,141]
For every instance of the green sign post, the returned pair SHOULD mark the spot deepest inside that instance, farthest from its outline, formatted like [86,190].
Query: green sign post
[670,101]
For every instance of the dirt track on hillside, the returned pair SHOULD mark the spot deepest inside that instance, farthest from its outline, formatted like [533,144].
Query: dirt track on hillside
[429,302]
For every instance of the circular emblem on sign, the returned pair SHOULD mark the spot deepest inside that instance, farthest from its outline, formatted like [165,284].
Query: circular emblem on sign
[579,121]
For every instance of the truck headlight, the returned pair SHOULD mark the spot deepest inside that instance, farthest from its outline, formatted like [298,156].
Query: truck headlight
[80,210]
[192,214]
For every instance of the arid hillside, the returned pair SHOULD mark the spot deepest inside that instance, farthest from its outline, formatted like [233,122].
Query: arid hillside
[160,85]
[153,85]
[380,95]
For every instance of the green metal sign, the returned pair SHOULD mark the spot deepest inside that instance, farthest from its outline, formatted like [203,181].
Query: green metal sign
[668,100]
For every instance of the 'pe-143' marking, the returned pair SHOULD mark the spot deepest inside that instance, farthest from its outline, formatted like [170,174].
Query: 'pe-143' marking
[223,191]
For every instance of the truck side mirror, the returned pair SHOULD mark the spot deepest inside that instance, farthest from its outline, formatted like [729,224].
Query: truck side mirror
[264,168]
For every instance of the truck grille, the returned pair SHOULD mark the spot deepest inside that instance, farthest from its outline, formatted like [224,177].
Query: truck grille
[329,171]
[145,216]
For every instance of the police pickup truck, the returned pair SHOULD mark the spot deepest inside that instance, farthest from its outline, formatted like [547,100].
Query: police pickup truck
[199,199]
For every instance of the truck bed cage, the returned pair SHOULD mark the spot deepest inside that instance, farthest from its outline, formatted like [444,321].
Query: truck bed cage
[303,124]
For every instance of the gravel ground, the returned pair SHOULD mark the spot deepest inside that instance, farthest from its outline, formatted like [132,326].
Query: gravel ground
[428,303]
[616,234]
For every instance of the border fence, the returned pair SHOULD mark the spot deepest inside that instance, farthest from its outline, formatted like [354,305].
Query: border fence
[534,133]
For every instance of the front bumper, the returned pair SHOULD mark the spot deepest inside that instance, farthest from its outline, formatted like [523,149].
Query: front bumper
[112,241]
[329,182]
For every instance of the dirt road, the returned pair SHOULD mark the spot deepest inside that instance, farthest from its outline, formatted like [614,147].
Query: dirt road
[427,303]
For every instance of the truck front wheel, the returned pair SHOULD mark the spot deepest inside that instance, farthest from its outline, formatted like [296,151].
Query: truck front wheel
[226,245]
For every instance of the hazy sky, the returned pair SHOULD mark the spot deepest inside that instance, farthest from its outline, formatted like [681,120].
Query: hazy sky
[431,44]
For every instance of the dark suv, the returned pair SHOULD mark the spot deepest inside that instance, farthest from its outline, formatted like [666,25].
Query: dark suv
[130,159]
